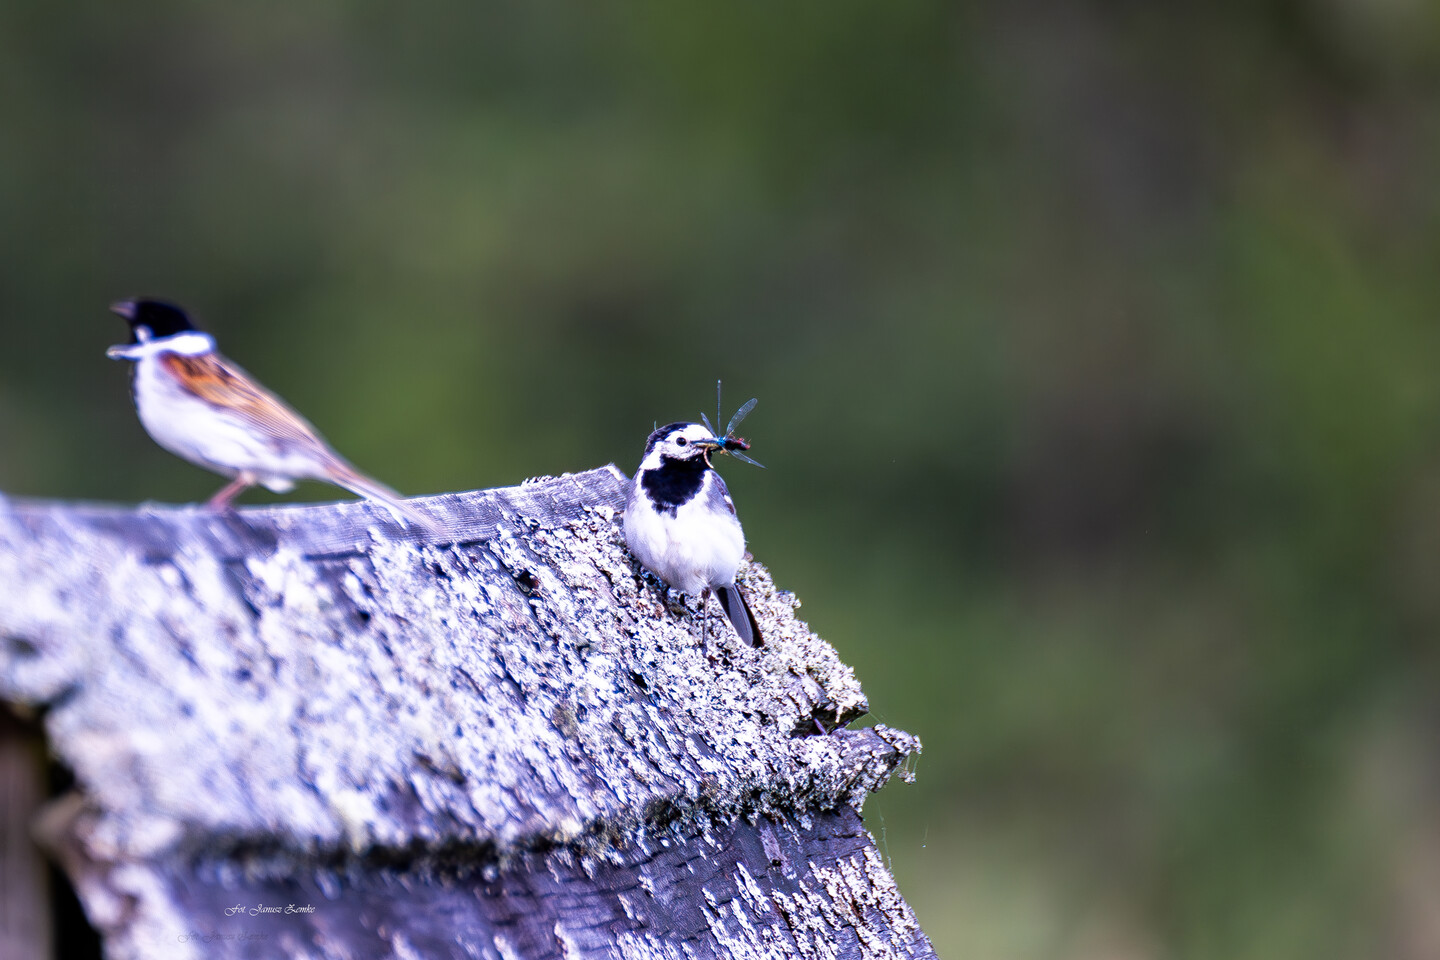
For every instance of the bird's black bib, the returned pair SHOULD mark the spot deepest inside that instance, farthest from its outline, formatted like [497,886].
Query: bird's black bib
[673,483]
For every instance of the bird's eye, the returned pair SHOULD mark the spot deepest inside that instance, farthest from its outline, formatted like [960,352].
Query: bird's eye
[681,441]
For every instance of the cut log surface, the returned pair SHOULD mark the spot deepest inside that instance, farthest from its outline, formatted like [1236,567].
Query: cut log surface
[507,744]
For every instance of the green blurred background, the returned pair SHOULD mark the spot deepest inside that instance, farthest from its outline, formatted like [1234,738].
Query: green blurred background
[1095,346]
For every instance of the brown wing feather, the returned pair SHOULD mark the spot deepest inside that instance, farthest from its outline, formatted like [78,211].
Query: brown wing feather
[227,387]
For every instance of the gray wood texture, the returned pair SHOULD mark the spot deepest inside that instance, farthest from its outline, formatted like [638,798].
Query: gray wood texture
[507,745]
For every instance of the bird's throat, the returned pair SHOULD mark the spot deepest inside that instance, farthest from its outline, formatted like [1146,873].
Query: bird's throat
[673,483]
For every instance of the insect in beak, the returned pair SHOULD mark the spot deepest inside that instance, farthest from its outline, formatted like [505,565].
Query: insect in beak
[708,446]
[730,443]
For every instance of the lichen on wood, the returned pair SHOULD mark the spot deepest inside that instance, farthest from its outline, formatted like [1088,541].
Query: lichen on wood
[292,699]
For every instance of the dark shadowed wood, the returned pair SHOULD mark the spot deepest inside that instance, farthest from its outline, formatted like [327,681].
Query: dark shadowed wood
[503,745]
[24,895]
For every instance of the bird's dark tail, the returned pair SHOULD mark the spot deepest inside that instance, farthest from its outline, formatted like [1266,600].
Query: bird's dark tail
[732,601]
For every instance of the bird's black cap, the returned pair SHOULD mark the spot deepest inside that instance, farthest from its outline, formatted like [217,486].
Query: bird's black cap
[163,319]
[661,433]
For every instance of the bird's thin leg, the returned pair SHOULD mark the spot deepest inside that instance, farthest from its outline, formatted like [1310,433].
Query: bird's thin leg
[221,501]
[704,616]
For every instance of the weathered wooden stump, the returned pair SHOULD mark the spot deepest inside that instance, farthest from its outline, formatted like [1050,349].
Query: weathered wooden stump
[297,732]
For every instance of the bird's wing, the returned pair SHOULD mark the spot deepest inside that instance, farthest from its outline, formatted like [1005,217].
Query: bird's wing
[719,495]
[232,391]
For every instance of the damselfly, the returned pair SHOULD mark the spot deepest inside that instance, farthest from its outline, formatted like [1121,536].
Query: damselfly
[730,443]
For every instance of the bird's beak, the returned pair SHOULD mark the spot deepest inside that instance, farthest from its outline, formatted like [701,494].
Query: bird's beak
[724,444]
[708,446]
[124,308]
[730,445]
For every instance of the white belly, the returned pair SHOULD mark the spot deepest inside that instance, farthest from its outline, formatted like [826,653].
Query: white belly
[193,429]
[691,551]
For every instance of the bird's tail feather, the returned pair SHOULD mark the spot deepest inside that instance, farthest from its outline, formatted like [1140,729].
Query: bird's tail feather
[732,601]
[357,483]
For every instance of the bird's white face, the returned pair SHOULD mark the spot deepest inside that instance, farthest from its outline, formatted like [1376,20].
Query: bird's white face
[190,343]
[679,441]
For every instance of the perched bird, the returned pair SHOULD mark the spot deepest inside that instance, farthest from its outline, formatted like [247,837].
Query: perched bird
[200,406]
[680,521]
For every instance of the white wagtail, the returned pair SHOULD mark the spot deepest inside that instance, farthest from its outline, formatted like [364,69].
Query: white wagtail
[680,521]
[200,406]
